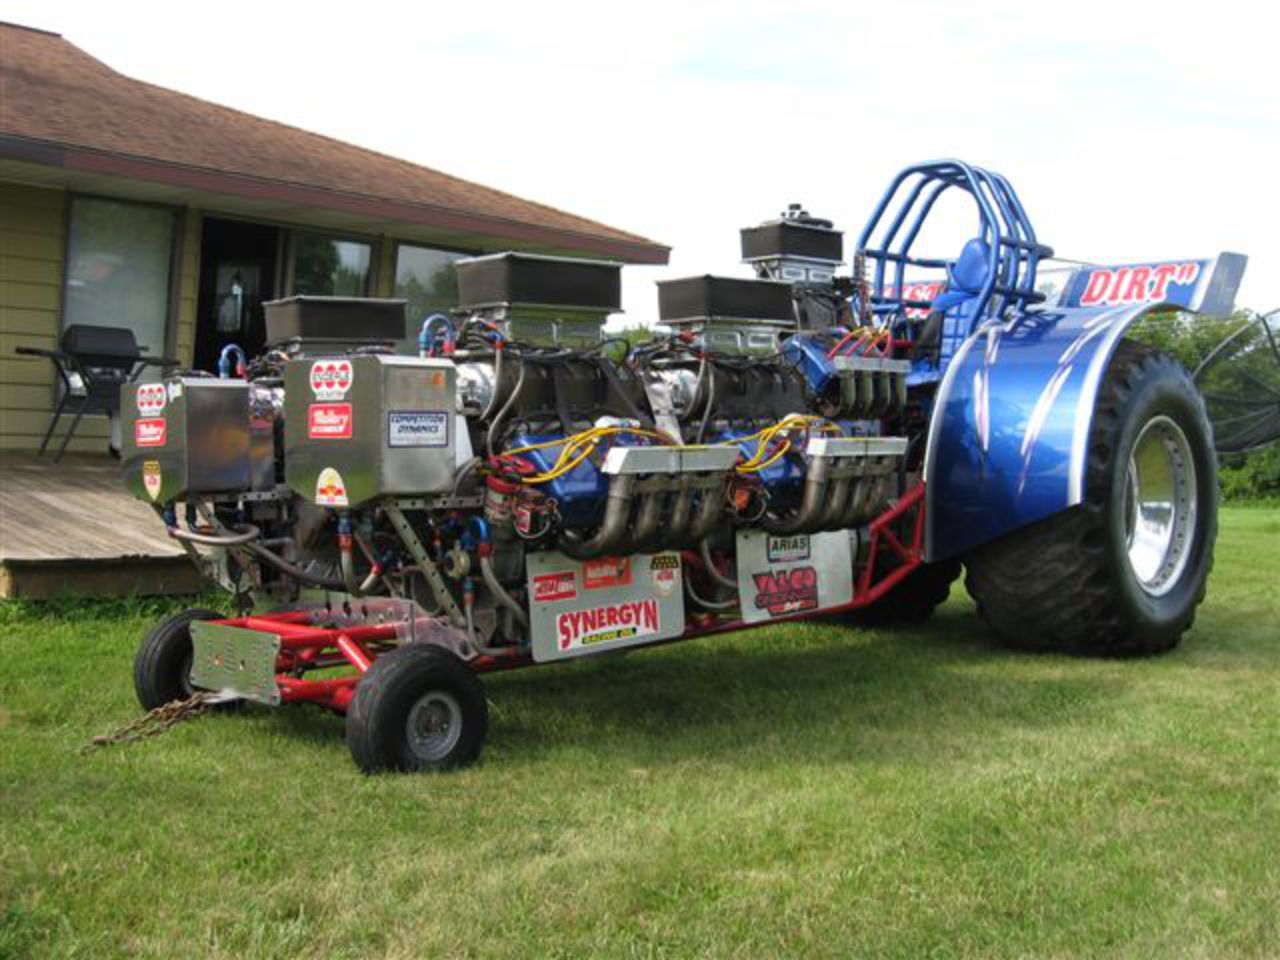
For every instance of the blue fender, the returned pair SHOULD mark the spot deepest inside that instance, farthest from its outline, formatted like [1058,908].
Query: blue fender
[1008,439]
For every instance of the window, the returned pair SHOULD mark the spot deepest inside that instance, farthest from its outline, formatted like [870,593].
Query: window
[328,267]
[425,278]
[118,259]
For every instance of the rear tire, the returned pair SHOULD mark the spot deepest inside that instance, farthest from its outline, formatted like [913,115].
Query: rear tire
[912,601]
[1121,574]
[162,667]
[418,708]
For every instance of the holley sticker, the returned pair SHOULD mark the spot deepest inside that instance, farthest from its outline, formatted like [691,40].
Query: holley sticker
[152,478]
[614,621]
[331,491]
[331,379]
[329,421]
[606,572]
[150,432]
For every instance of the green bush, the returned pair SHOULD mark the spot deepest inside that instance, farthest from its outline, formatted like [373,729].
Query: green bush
[1190,339]
[1255,476]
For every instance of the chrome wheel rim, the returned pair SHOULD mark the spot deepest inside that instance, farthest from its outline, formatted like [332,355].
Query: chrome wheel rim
[434,726]
[1160,506]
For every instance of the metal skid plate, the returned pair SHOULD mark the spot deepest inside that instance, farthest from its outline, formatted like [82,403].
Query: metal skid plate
[235,660]
[784,576]
[580,607]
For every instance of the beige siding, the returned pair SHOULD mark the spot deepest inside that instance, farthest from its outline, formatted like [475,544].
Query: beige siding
[188,284]
[32,227]
[32,223]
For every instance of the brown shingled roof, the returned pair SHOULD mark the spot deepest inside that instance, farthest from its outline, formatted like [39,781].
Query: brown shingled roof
[54,95]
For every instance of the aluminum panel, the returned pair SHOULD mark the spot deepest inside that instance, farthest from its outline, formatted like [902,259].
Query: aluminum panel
[185,435]
[784,576]
[360,427]
[579,608]
[856,446]
[235,660]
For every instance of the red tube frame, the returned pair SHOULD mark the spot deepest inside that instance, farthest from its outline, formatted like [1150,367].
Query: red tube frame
[306,647]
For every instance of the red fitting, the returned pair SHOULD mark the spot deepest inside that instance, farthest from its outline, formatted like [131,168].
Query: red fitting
[498,485]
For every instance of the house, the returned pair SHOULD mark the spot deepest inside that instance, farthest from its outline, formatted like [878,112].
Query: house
[126,204]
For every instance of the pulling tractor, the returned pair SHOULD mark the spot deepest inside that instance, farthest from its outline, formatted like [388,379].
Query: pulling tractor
[802,443]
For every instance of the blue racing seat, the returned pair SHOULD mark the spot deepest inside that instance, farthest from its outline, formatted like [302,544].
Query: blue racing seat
[966,275]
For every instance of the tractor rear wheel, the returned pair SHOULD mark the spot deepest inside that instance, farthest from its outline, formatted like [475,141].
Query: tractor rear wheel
[417,708]
[162,667]
[1122,573]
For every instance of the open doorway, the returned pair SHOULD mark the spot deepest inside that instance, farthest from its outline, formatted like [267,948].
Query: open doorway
[238,272]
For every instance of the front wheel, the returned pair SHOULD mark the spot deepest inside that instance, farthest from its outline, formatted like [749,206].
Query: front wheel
[417,708]
[1122,573]
[162,667]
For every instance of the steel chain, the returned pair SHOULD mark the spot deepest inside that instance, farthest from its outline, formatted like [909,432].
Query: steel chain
[155,722]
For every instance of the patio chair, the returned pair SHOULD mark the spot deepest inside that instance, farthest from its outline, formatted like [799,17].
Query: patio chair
[93,363]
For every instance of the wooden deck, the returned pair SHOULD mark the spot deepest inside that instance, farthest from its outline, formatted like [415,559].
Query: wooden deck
[70,528]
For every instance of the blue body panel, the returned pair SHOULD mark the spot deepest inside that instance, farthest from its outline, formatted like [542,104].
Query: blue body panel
[1008,437]
[1206,286]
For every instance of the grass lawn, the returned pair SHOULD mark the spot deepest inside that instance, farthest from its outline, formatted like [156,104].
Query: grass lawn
[795,791]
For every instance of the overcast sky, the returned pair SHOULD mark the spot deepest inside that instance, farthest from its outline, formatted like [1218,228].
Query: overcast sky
[1131,131]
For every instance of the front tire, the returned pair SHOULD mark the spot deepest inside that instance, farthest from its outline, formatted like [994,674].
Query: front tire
[1123,573]
[162,667]
[418,708]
